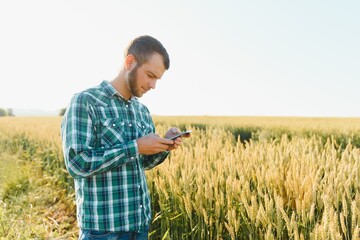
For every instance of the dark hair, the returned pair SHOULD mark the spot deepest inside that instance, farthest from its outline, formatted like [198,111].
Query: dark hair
[143,47]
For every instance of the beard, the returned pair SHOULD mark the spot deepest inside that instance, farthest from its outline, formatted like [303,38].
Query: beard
[133,84]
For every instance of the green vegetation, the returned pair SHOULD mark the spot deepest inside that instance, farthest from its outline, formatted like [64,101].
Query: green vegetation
[9,112]
[32,206]
[62,112]
[3,112]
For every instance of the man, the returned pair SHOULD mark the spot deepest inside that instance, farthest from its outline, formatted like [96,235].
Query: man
[109,140]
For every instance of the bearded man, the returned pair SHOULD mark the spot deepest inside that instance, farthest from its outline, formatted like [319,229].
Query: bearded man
[109,140]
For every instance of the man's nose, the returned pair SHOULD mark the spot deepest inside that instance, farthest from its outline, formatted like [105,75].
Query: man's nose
[152,84]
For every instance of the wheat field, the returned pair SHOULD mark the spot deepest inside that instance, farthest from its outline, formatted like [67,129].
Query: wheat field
[235,178]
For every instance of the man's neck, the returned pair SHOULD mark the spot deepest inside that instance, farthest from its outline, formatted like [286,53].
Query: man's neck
[120,85]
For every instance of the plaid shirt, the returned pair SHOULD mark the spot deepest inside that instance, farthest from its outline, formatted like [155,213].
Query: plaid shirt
[99,132]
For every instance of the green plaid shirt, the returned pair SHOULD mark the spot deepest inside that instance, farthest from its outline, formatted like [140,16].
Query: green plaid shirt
[99,132]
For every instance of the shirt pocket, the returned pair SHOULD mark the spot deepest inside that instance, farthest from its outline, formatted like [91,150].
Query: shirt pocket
[143,128]
[113,132]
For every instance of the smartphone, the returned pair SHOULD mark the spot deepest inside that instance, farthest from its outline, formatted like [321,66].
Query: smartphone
[180,134]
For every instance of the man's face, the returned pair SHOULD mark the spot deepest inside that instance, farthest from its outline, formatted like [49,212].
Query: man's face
[142,79]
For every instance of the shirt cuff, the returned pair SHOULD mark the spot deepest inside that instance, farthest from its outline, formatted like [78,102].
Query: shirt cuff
[164,154]
[132,151]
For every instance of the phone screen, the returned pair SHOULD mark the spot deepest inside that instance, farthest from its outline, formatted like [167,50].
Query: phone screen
[180,134]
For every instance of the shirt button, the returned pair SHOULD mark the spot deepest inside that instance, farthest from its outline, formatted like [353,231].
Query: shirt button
[130,125]
[132,158]
[114,125]
[140,206]
[127,105]
[138,186]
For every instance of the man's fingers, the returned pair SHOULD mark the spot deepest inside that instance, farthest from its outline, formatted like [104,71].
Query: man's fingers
[166,141]
[152,144]
[187,135]
[178,141]
[174,130]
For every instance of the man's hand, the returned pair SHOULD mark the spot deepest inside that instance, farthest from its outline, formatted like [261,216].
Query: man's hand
[177,142]
[152,144]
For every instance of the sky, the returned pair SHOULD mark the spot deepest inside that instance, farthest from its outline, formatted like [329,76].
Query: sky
[234,58]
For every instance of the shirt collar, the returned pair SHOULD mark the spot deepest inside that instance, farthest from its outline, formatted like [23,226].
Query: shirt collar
[110,91]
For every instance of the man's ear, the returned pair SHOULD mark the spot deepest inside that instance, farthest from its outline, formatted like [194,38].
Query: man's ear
[130,62]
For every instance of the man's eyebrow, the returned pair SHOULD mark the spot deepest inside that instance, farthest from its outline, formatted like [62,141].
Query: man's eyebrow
[153,74]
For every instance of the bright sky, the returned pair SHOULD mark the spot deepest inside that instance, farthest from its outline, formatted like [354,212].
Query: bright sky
[258,58]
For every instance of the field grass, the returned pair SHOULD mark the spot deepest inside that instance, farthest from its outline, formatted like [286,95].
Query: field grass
[235,178]
[31,205]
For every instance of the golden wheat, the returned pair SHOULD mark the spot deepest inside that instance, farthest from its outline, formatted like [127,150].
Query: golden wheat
[218,187]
